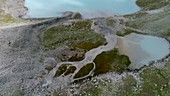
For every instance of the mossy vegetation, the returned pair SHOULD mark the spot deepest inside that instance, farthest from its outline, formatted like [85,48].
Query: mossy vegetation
[124,87]
[136,15]
[76,58]
[71,54]
[41,60]
[167,33]
[127,87]
[155,24]
[156,82]
[84,71]
[76,33]
[48,68]
[61,69]
[70,70]
[89,45]
[6,18]
[127,31]
[111,61]
[151,4]
[77,16]
[111,22]
[92,92]
[65,69]
[124,32]
[88,88]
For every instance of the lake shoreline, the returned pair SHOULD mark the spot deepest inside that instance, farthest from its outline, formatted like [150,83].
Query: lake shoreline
[25,64]
[56,9]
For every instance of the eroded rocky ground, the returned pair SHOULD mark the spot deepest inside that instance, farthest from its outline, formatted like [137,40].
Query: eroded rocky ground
[70,56]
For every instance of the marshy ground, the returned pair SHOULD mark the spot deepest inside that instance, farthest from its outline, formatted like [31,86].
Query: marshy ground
[79,57]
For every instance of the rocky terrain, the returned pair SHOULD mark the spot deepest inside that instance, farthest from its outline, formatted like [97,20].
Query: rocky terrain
[71,56]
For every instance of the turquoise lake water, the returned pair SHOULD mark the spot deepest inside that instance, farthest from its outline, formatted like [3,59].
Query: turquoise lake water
[143,49]
[89,8]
